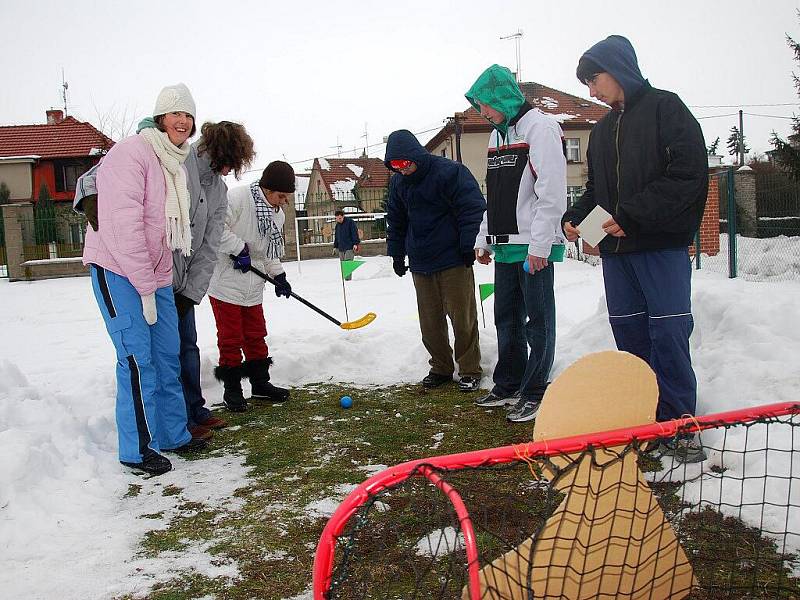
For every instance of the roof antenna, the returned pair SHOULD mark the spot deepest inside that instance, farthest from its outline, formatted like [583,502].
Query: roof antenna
[366,141]
[64,87]
[338,147]
[516,37]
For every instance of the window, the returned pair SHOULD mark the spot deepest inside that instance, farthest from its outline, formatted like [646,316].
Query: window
[67,173]
[573,193]
[574,150]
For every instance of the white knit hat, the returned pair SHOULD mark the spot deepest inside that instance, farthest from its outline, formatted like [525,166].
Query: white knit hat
[175,98]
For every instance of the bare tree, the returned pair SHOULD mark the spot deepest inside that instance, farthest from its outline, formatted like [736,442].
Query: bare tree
[116,123]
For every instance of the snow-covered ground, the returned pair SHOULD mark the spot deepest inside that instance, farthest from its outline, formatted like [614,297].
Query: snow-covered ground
[66,529]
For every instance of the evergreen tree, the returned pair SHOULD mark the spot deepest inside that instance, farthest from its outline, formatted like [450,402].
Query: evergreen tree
[44,217]
[712,149]
[734,140]
[787,153]
[5,193]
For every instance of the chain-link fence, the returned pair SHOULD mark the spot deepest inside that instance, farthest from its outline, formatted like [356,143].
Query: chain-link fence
[759,217]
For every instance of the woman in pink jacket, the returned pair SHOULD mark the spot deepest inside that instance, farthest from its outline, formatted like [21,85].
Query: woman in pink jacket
[144,216]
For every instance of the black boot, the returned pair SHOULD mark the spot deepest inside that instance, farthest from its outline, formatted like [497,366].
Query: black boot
[152,463]
[258,372]
[231,378]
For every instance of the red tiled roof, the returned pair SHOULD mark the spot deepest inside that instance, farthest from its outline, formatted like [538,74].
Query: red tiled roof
[374,173]
[573,112]
[69,138]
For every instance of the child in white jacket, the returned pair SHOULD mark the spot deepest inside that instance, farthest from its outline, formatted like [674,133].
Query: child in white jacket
[253,236]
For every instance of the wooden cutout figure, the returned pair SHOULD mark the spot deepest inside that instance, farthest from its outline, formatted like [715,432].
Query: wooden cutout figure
[608,538]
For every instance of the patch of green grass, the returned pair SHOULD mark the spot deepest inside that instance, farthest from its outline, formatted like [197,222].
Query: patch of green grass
[133,490]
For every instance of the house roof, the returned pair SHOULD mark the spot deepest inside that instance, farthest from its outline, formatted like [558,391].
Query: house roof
[573,112]
[341,175]
[68,139]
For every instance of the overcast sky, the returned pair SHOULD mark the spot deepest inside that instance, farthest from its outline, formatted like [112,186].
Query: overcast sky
[304,76]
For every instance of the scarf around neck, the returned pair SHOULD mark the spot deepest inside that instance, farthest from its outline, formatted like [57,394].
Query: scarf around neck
[267,227]
[171,157]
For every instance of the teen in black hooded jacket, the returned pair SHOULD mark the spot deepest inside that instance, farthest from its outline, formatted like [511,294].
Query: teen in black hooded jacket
[648,168]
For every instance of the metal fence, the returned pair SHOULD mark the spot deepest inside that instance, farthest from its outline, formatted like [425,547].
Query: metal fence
[3,255]
[56,234]
[759,217]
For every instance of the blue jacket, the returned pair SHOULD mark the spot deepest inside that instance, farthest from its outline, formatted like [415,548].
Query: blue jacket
[434,214]
[345,235]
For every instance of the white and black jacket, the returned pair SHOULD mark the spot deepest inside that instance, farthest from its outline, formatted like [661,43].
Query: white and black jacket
[241,225]
[526,183]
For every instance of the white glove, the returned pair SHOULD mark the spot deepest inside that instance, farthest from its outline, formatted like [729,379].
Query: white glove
[149,309]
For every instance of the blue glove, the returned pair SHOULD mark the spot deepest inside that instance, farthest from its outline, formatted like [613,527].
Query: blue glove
[282,287]
[242,260]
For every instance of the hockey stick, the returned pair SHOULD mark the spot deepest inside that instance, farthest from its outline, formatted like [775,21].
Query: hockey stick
[357,324]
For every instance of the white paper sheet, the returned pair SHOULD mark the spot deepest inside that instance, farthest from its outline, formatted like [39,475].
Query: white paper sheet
[591,227]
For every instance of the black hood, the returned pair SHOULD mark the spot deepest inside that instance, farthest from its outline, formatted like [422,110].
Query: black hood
[403,145]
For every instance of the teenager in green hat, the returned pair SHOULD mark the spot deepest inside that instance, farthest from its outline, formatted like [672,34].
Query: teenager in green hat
[526,183]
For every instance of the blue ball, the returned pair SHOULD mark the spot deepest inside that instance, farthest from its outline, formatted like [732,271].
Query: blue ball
[525,266]
[346,401]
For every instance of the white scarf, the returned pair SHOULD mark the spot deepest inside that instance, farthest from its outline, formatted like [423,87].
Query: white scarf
[171,157]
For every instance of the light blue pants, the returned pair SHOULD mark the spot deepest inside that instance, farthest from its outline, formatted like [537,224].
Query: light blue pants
[151,413]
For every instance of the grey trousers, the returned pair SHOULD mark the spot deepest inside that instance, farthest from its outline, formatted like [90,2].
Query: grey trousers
[449,294]
[346,255]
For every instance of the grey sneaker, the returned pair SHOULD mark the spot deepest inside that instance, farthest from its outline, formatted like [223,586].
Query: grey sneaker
[525,410]
[685,449]
[491,400]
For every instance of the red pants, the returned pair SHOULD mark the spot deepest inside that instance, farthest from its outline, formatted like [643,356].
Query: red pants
[239,329]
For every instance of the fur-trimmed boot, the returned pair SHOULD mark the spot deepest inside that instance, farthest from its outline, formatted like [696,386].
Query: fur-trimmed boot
[231,378]
[258,373]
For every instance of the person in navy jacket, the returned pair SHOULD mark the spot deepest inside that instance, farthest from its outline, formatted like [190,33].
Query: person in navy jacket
[434,212]
[345,237]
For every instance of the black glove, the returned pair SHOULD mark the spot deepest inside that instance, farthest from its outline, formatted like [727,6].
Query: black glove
[282,287]
[399,266]
[468,258]
[89,205]
[242,260]
[183,304]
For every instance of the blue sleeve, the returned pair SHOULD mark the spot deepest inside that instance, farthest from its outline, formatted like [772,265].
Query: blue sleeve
[469,205]
[396,222]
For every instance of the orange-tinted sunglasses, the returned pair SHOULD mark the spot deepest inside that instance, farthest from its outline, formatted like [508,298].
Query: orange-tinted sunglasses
[400,163]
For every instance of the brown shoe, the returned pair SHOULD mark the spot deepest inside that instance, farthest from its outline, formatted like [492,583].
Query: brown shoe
[214,423]
[199,432]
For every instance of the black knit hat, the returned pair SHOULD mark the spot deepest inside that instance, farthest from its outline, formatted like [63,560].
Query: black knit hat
[278,177]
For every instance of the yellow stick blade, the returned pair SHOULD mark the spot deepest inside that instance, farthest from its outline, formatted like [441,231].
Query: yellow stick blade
[358,323]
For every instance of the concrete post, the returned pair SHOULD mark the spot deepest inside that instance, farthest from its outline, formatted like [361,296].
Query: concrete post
[18,221]
[747,212]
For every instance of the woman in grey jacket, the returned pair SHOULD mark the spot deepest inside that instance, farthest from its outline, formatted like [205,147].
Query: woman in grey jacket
[223,148]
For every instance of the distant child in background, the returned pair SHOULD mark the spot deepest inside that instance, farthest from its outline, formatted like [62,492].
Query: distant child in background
[252,234]
[345,237]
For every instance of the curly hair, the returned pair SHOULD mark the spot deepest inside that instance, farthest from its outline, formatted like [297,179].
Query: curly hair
[227,144]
